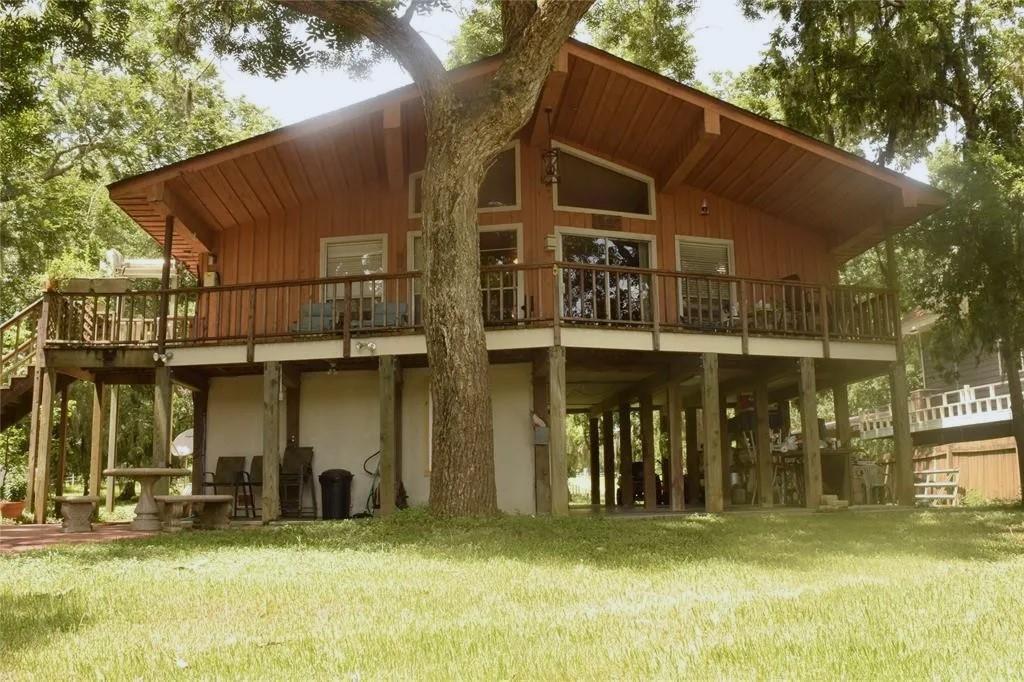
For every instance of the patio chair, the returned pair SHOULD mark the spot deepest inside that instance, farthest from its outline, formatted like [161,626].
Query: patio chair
[385,316]
[254,480]
[296,479]
[229,478]
[315,318]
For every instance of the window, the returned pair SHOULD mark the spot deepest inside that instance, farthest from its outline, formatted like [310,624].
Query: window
[499,190]
[701,298]
[499,289]
[352,257]
[592,185]
[612,291]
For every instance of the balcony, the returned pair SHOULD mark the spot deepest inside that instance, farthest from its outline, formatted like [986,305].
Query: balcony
[657,304]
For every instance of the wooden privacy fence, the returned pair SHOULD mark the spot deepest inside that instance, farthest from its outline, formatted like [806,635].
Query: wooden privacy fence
[552,294]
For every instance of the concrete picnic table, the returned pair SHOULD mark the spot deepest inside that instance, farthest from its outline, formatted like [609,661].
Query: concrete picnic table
[146,511]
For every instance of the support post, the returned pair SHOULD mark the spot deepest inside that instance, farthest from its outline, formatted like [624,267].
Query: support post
[541,459]
[674,408]
[714,500]
[844,435]
[42,473]
[42,326]
[903,447]
[99,398]
[812,442]
[112,444]
[62,452]
[595,461]
[626,456]
[723,430]
[692,481]
[165,283]
[388,378]
[271,497]
[647,451]
[200,403]
[608,434]
[559,466]
[763,438]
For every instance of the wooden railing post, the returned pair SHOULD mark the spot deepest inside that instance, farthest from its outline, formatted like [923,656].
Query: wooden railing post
[250,345]
[824,322]
[744,324]
[557,312]
[655,317]
[346,324]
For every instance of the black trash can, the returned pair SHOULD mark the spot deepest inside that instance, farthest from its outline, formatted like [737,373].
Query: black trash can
[336,493]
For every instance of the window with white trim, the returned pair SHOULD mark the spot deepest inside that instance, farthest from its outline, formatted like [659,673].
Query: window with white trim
[499,289]
[701,296]
[352,257]
[499,190]
[590,184]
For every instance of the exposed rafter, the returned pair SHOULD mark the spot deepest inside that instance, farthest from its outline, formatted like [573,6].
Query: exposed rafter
[394,154]
[537,129]
[699,139]
[188,224]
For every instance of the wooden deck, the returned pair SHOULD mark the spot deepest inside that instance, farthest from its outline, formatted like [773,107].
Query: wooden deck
[553,295]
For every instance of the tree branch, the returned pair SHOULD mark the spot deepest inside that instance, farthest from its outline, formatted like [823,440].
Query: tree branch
[515,16]
[393,34]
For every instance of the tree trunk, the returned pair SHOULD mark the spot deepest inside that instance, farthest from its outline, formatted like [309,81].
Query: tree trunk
[1011,361]
[462,471]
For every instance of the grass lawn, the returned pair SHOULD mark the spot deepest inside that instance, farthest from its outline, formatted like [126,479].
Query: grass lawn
[856,596]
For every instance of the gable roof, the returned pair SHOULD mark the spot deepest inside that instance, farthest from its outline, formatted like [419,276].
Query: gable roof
[602,104]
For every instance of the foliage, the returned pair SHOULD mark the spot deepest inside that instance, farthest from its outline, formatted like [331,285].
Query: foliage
[863,596]
[652,34]
[977,247]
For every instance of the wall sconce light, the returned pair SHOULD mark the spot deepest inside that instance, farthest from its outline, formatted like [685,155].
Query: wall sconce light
[704,209]
[549,156]
[550,242]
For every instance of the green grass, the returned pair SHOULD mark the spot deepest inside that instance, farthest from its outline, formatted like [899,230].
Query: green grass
[855,596]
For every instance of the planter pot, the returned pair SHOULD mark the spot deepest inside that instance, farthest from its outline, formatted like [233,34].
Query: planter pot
[11,510]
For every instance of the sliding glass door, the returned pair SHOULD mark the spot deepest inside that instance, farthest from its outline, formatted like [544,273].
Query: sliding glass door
[608,286]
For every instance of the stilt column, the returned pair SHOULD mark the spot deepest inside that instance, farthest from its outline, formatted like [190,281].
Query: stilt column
[763,436]
[626,456]
[675,447]
[714,500]
[594,442]
[389,376]
[812,442]
[559,470]
[271,441]
[608,435]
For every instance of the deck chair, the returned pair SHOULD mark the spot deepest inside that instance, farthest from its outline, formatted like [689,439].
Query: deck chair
[254,480]
[296,479]
[385,316]
[229,476]
[315,318]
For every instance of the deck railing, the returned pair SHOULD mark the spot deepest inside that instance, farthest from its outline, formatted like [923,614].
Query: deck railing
[18,342]
[551,294]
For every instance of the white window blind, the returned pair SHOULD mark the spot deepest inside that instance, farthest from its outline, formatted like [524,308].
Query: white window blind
[354,257]
[705,258]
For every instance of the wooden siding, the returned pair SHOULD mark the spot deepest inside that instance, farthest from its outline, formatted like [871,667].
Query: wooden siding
[284,243]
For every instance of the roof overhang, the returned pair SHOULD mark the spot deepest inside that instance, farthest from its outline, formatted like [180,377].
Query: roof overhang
[602,104]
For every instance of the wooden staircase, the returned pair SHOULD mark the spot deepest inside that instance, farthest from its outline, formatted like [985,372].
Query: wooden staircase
[18,337]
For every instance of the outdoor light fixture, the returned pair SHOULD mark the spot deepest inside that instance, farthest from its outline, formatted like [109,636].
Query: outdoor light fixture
[550,156]
[704,209]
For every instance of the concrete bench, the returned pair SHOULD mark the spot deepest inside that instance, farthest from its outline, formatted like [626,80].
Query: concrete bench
[77,513]
[214,510]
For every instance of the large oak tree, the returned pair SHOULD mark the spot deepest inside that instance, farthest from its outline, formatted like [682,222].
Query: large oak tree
[464,131]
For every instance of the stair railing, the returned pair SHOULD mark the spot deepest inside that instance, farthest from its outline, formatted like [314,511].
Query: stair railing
[18,342]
